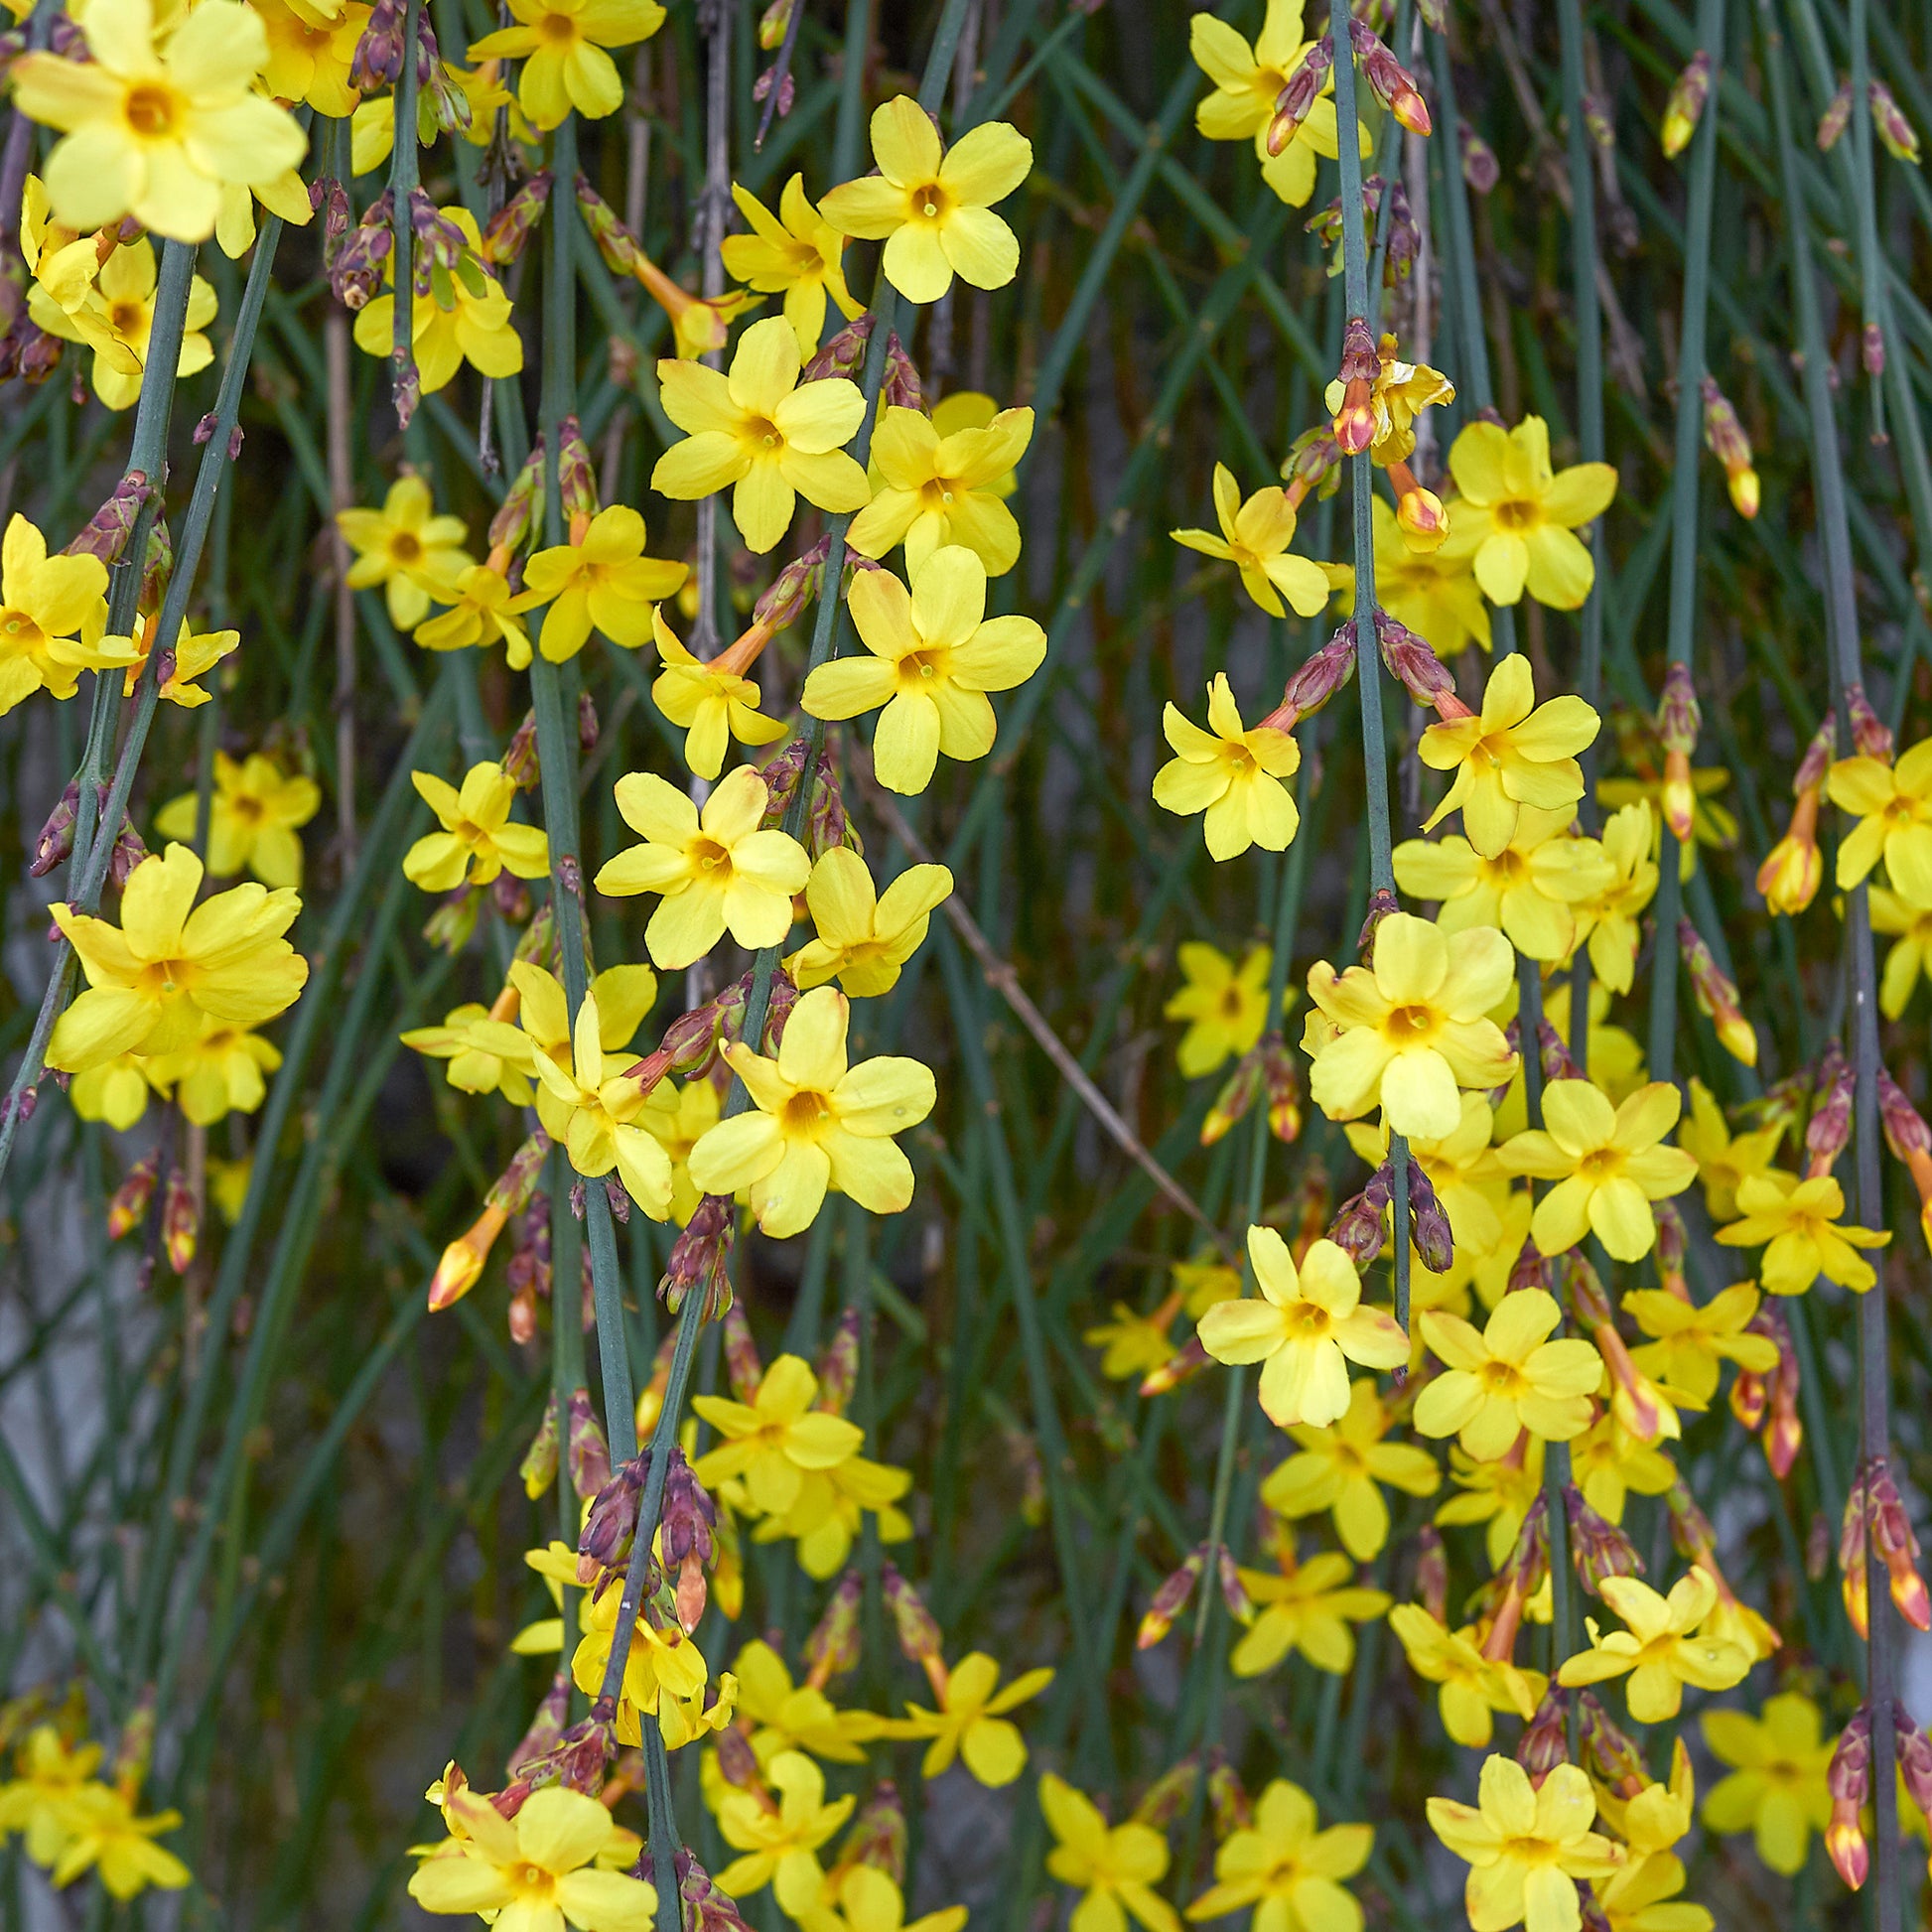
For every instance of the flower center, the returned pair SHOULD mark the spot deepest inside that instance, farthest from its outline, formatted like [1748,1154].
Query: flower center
[531,1881]
[1307,1321]
[1530,1851]
[920,670]
[128,318]
[1231,1003]
[1408,1025]
[805,1114]
[407,547]
[1518,513]
[711,857]
[764,434]
[150,110]
[1500,1377]
[1600,1163]
[20,630]
[560,30]
[931,200]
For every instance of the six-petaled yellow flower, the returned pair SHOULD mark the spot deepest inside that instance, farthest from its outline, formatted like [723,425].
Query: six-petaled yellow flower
[255,810]
[1473,1687]
[1526,1845]
[1777,1788]
[1341,1467]
[414,554]
[52,611]
[1114,1867]
[1796,1223]
[1663,1649]
[1892,804]
[864,936]
[561,44]
[934,488]
[478,839]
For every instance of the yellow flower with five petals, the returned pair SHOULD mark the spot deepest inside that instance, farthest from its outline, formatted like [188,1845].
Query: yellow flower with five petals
[605,583]
[1892,804]
[255,809]
[971,1722]
[864,936]
[1473,1687]
[1305,1607]
[1114,1867]
[478,839]
[1526,1845]
[710,700]
[1531,889]
[1777,1788]
[794,252]
[562,44]
[1662,1650]
[1507,1378]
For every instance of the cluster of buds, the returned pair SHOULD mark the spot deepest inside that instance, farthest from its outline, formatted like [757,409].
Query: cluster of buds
[1679,719]
[1295,102]
[55,844]
[377,64]
[1315,682]
[701,1258]
[511,226]
[329,199]
[1358,1229]
[1685,107]
[1606,1749]
[1544,1742]
[355,273]
[463,1260]
[529,1271]
[610,1524]
[1849,1780]
[1870,736]
[1791,875]
[844,356]
[1389,80]
[1716,995]
[1770,1400]
[176,1224]
[1636,1401]
[1265,1071]
[576,1762]
[1910,1141]
[826,823]
[440,253]
[1597,1547]
[1404,236]
[1413,663]
[1876,1525]
[1724,438]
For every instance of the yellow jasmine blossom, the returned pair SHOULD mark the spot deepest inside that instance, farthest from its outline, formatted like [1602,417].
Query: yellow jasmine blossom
[1225,1009]
[408,549]
[309,53]
[934,655]
[932,206]
[1413,1028]
[1135,1344]
[169,964]
[484,610]
[1507,1378]
[1523,516]
[116,317]
[1777,1788]
[759,429]
[52,611]
[1433,593]
[606,582]
[477,1058]
[971,1722]
[1606,1462]
[157,134]
[1473,1687]
[1905,912]
[1305,1328]
[1461,1167]
[1892,804]
[218,1075]
[789,1717]
[815,1123]
[1661,1649]
[115,1091]
[255,810]
[1255,536]
[1530,889]
[1514,752]
[1340,1468]
[772,1442]
[475,324]
[50,1774]
[1309,1607]
[1400,392]
[1691,1341]
[478,839]
[1498,1494]
[624,996]
[678,1118]
[561,44]
[715,869]
[1607,1164]
[1231,774]
[1797,1224]
[104,1834]
[661,1662]
[1710,823]
[829,1513]
[1526,1846]
[709,699]
[195,656]
[1115,1867]
[932,489]
[795,252]
[864,936]
[1612,920]
[872,1902]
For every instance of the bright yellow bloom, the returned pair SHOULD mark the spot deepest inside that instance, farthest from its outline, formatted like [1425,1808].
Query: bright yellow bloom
[255,810]
[1606,1462]
[761,431]
[1399,393]
[971,1722]
[1525,1846]
[715,869]
[815,1123]
[561,44]
[1710,823]
[678,1118]
[1777,1789]
[595,1115]
[408,549]
[1461,1167]
[1906,912]
[1410,1030]
[1135,1344]
[478,839]
[1475,1687]
[484,610]
[1515,753]
[713,704]
[932,489]
[864,936]
[1340,1468]
[102,1833]
[797,252]
[114,317]
[1691,1341]
[1725,1160]
[478,1061]
[606,582]
[169,964]
[789,1717]
[474,325]
[1305,1328]
[1607,1164]
[310,52]
[52,611]
[115,1091]
[1498,1494]
[1892,804]
[829,1514]
[1610,921]
[1524,516]
[934,654]
[157,134]
[1531,889]
[195,655]
[1114,1866]
[1508,1378]
[1231,774]
[1435,592]
[1661,1649]
[37,1801]
[218,1075]
[1225,1009]
[772,1442]
[1255,536]
[932,206]
[661,1661]
[1797,1224]
[1309,1607]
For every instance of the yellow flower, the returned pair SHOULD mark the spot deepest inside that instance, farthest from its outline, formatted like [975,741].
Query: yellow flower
[1525,1846]
[169,964]
[1136,1344]
[1114,1866]
[1225,1010]
[1339,1468]
[932,489]
[1661,1649]
[37,1801]
[1777,1788]
[1515,753]
[1308,1608]
[535,1871]
[864,936]
[1461,1167]
[797,252]
[1475,1687]
[1691,1341]
[1524,517]
[52,611]
[218,1075]
[1607,1165]
[561,44]
[254,812]
[470,1042]
[770,1442]
[1610,919]
[872,1902]
[971,1722]
[1796,1223]
[1255,536]
[815,1123]
[474,325]
[779,1842]
[1531,889]
[606,582]
[1247,82]
[485,610]
[1400,392]
[309,53]
[678,1118]
[1305,1330]
[790,1717]
[932,206]
[829,1513]
[115,1091]
[1498,1494]
[1892,804]
[1409,1029]
[761,431]
[152,134]
[709,699]
[116,317]
[1606,1462]
[405,547]
[1906,912]
[1231,774]
[478,839]
[105,1834]
[714,869]
[195,656]
[1710,823]
[1435,592]
[1508,1378]
[660,1662]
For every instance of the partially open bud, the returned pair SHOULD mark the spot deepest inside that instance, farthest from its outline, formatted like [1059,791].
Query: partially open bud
[180,1221]
[1679,718]
[1171,1600]
[1790,877]
[1313,464]
[1295,102]
[1390,81]
[1852,1565]
[1849,1781]
[1238,1092]
[1419,513]
[1724,438]
[1894,1545]
[516,222]
[1191,1360]
[461,1265]
[1685,107]
[129,1206]
[514,520]
[1716,995]
[1357,1229]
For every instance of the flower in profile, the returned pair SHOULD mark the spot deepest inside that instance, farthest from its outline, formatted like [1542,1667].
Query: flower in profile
[864,936]
[1114,1867]
[1305,1328]
[715,869]
[1309,1607]
[1135,1344]
[52,611]
[484,611]
[1523,516]
[1341,1467]
[1230,774]
[1662,1649]
[793,1716]
[1433,593]
[1497,1495]
[1797,1224]
[595,1115]
[932,206]
[605,583]
[561,44]
[409,550]
[1531,889]
[157,134]
[255,809]
[1905,912]
[971,1722]
[760,430]
[466,318]
[1526,1845]
[934,654]
[478,839]
[1413,1028]
[218,1075]
[1892,804]
[1255,536]
[932,488]
[1507,1378]
[1777,1788]
[794,252]
[1226,1009]
[1612,920]
[1608,1464]
[709,699]
[311,49]
[1473,1687]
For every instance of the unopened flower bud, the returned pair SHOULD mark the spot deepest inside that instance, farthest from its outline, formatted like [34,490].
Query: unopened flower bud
[705,1907]
[461,1265]
[1298,97]
[1226,1798]
[918,1632]
[1914,1754]
[515,517]
[105,533]
[832,1648]
[1608,1751]
[1191,1360]
[1357,1229]
[1849,1780]
[837,1367]
[1532,1269]
[701,1258]
[1170,1599]
[743,1368]
[589,1451]
[1234,1593]
[1312,464]
[1428,1223]
[610,1523]
[1829,1130]
[513,224]
[54,844]
[539,1465]
[1354,420]
[1481,168]
[1596,1546]
[1317,682]
[1390,81]
[1381,903]
[1679,719]
[1685,107]
[180,1221]
[1870,736]
[1888,122]
[1853,1580]
[1894,1545]
[1554,1053]
[1432,1572]
[844,355]
[1412,662]
[1544,1742]
[546,1728]
[1835,119]
[1281,1083]
[1724,438]
[1420,514]
[1716,995]
[1238,1092]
